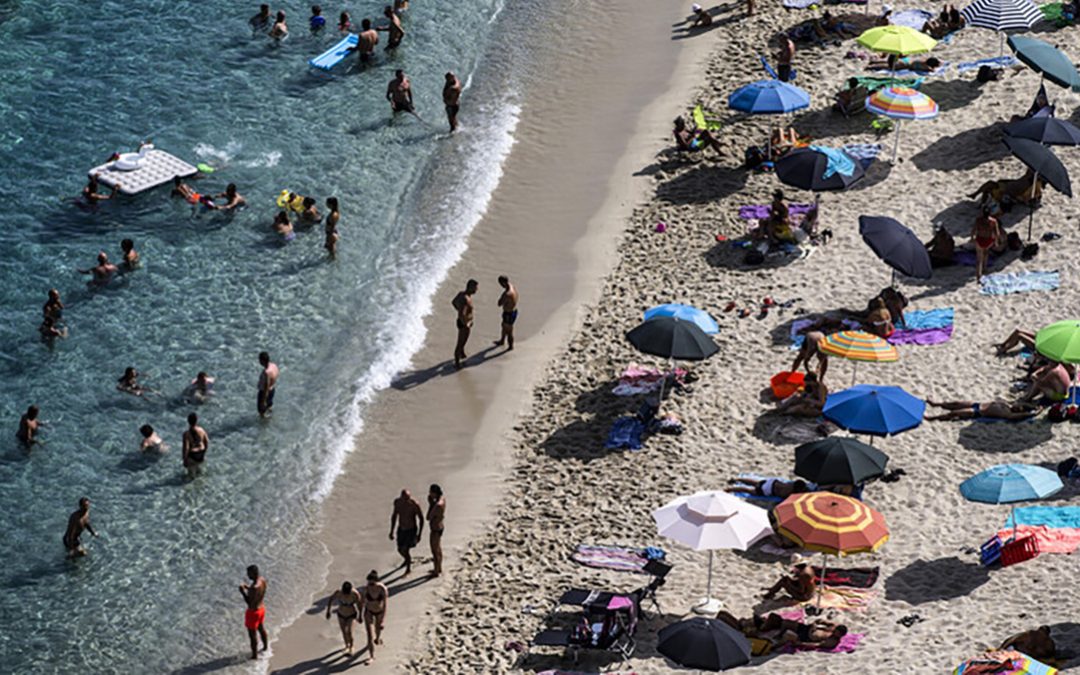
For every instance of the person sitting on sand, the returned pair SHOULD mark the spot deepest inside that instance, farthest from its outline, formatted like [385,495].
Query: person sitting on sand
[1025,190]
[800,584]
[953,18]
[1041,105]
[879,320]
[997,409]
[807,403]
[689,139]
[1052,381]
[768,487]
[702,18]
[283,227]
[1017,337]
[942,249]
[777,227]
[1035,643]
[985,234]
[809,349]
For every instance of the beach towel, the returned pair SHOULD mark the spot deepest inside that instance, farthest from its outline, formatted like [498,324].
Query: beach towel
[802,324]
[924,327]
[619,558]
[761,211]
[847,644]
[1001,662]
[1050,539]
[637,380]
[1050,516]
[842,598]
[863,153]
[874,83]
[857,577]
[837,162]
[1019,282]
[799,4]
[997,61]
[625,434]
[937,72]
[912,18]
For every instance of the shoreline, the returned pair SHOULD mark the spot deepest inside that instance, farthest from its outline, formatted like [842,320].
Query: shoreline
[477,407]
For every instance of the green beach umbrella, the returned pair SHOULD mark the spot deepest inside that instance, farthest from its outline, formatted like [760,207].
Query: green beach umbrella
[899,40]
[1060,341]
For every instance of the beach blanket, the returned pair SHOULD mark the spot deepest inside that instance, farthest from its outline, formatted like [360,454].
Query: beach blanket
[1000,662]
[625,434]
[799,4]
[1019,282]
[1050,539]
[761,211]
[937,72]
[847,644]
[863,153]
[619,558]
[857,577]
[837,162]
[924,327]
[637,380]
[912,18]
[801,324]
[874,83]
[842,598]
[996,62]
[1050,516]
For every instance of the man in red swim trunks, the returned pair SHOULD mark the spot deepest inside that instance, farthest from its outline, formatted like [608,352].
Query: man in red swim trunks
[255,616]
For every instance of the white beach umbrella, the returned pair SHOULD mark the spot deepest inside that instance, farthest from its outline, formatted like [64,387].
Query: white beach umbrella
[1002,15]
[710,520]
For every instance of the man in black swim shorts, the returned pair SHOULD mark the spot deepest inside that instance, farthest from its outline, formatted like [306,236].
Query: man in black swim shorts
[508,302]
[399,93]
[451,95]
[408,518]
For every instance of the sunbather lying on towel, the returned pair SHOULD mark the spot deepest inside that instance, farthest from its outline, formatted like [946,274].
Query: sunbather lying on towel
[1017,337]
[768,487]
[690,139]
[1024,190]
[883,311]
[927,65]
[800,584]
[996,409]
[807,403]
[1035,643]
[819,634]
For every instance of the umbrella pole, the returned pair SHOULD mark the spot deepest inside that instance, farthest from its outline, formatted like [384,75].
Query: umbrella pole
[896,141]
[1001,46]
[854,371]
[1031,208]
[708,605]
[663,381]
[1012,514]
[821,586]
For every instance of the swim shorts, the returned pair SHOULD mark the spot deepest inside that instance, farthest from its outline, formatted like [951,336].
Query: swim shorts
[269,402]
[406,539]
[461,325]
[509,318]
[452,110]
[254,618]
[401,106]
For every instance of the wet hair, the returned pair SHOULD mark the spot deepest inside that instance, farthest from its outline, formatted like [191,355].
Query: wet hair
[84,502]
[399,73]
[778,195]
[146,430]
[853,82]
[503,279]
[200,375]
[344,18]
[309,202]
[281,217]
[130,373]
[366,24]
[449,76]
[253,571]
[372,576]
[316,10]
[192,419]
[435,490]
[32,412]
[264,358]
[126,245]
[102,256]
[53,292]
[388,10]
[331,203]
[230,188]
[346,587]
[264,8]
[799,486]
[280,16]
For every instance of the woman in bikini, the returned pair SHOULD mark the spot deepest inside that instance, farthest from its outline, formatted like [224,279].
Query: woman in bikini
[986,233]
[879,319]
[376,598]
[349,604]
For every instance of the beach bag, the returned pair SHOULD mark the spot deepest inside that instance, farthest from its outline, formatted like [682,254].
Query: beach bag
[1056,413]
[754,257]
[1029,252]
[1014,241]
[987,74]
[753,157]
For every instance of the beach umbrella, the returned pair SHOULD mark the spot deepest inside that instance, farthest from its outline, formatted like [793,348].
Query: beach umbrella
[1011,483]
[1019,664]
[1044,163]
[673,339]
[901,103]
[705,644]
[896,245]
[699,317]
[1045,59]
[768,97]
[818,169]
[839,461]
[830,523]
[856,345]
[1045,130]
[1060,341]
[874,410]
[900,40]
[1000,16]
[711,520]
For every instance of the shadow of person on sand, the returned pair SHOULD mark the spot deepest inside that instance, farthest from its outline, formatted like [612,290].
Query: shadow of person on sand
[335,661]
[931,580]
[415,378]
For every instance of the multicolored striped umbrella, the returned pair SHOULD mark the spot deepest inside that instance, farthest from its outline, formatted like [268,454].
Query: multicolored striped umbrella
[900,40]
[856,345]
[831,523]
[901,103]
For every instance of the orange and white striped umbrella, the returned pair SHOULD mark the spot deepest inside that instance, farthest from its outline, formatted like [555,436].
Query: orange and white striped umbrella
[856,345]
[831,523]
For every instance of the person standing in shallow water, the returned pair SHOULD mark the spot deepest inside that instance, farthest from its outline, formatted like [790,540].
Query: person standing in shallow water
[267,384]
[451,95]
[255,615]
[195,443]
[463,303]
[78,521]
[332,219]
[508,302]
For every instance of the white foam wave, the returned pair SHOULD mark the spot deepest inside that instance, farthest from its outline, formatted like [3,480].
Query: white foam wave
[232,149]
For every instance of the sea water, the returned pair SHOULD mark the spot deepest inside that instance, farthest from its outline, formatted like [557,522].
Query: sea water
[158,592]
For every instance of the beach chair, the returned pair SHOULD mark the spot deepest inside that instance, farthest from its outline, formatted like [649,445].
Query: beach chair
[1019,550]
[990,552]
[702,122]
[607,623]
[771,72]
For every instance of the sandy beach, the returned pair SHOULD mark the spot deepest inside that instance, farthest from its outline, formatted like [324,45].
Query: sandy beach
[565,489]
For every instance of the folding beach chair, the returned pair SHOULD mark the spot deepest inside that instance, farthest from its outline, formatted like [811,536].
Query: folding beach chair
[702,122]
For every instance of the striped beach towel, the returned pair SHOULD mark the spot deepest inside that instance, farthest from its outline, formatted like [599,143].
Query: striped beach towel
[1019,282]
[864,153]
[924,327]
[996,62]
[937,72]
[619,558]
[843,598]
[759,211]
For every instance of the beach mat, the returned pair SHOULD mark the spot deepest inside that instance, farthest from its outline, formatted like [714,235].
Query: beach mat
[618,558]
[760,211]
[847,644]
[857,577]
[799,4]
[912,18]
[996,62]
[937,72]
[863,153]
[1050,539]
[1003,283]
[336,54]
[842,598]
[1050,516]
[924,327]
[625,434]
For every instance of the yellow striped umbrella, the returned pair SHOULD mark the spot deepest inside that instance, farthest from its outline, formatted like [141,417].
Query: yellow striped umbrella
[856,345]
[831,523]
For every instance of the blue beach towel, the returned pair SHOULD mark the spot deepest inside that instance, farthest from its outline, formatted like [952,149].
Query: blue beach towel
[625,434]
[997,61]
[864,153]
[912,18]
[1019,282]
[1051,516]
[838,161]
[938,72]
[799,324]
[928,319]
[799,4]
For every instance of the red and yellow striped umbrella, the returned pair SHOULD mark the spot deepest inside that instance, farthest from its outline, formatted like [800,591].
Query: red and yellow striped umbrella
[831,523]
[858,346]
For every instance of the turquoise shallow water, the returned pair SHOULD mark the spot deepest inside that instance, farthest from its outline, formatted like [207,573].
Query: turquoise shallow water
[158,592]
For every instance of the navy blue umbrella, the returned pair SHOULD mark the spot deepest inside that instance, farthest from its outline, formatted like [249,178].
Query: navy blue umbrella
[896,245]
[706,644]
[1045,130]
[1044,163]
[808,169]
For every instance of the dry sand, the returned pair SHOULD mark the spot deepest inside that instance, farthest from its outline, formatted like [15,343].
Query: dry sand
[565,489]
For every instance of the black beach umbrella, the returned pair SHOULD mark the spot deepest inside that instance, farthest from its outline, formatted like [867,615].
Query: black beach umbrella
[1044,163]
[706,644]
[671,338]
[896,245]
[805,168]
[1045,130]
[839,461]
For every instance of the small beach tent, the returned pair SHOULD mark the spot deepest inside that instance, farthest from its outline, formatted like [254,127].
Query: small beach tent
[1044,163]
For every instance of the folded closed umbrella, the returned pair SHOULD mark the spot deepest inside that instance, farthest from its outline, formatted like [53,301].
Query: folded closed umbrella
[900,40]
[706,644]
[700,317]
[896,245]
[874,410]
[1046,59]
[768,97]
[839,460]
[1045,130]
[818,169]
[1060,341]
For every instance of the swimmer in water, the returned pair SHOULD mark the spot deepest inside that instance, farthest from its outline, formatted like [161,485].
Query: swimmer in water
[279,31]
[129,382]
[317,20]
[49,331]
[401,5]
[182,189]
[201,388]
[54,308]
[233,199]
[195,444]
[28,427]
[451,94]
[395,32]
[366,41]
[332,219]
[103,272]
[131,256]
[399,93]
[92,196]
[151,441]
[310,214]
[283,227]
[77,523]
[344,24]
[260,21]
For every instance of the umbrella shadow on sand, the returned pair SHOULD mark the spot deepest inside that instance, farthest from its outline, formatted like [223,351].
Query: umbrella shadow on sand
[1005,436]
[952,94]
[963,151]
[826,123]
[702,184]
[931,580]
[876,173]
[724,255]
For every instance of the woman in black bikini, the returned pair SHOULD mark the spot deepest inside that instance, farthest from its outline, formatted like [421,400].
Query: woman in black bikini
[349,604]
[376,598]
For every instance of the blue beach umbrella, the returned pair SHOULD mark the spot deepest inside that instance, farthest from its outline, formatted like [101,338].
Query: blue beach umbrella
[1046,59]
[1009,483]
[874,410]
[685,313]
[768,97]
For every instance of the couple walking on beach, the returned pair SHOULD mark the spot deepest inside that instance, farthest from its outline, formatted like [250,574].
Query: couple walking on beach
[463,304]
